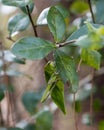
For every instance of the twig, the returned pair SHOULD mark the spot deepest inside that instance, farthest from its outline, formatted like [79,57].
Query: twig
[79,65]
[91,107]
[93,71]
[66,43]
[91,98]
[12,108]
[32,23]
[9,38]
[90,6]
[75,118]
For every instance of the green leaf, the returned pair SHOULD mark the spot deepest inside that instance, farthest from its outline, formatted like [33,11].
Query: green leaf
[91,57]
[79,7]
[30,101]
[91,41]
[20,3]
[17,3]
[42,19]
[81,32]
[49,69]
[99,17]
[57,96]
[93,38]
[66,68]
[18,23]
[50,86]
[44,120]
[63,11]
[30,5]
[56,24]
[32,48]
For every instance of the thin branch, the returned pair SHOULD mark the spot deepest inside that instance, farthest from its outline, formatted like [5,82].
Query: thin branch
[92,14]
[9,38]
[12,109]
[91,107]
[92,98]
[75,117]
[79,65]
[66,43]
[32,23]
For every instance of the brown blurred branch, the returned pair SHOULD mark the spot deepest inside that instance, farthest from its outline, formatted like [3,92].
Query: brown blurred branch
[92,14]
[32,23]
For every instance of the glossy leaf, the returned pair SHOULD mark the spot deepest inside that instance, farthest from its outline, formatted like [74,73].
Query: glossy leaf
[56,24]
[30,5]
[81,32]
[92,42]
[44,120]
[17,3]
[49,69]
[63,11]
[18,23]
[66,68]
[57,96]
[42,19]
[32,48]
[20,3]
[50,86]
[91,57]
[93,38]
[99,17]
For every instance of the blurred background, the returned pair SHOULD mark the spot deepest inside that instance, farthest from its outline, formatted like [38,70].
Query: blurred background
[26,82]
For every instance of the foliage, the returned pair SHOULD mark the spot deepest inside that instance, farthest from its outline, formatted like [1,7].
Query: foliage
[62,70]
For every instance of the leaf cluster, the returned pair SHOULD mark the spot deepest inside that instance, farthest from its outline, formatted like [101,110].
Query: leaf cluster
[89,38]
